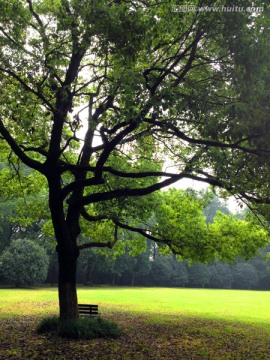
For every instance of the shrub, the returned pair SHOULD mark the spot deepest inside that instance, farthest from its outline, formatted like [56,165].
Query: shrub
[83,328]
[48,324]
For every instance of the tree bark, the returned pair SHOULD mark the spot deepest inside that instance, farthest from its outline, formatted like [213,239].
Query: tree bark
[66,234]
[67,292]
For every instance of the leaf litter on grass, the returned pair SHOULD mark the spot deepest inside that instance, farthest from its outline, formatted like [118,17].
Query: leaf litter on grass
[178,338]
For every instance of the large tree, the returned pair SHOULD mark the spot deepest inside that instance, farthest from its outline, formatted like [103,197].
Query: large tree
[146,85]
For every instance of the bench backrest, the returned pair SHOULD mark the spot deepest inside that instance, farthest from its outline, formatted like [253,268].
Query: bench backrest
[88,310]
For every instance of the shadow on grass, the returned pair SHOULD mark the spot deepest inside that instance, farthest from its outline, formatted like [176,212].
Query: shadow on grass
[143,337]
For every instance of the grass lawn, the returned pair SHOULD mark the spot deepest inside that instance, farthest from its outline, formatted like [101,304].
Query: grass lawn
[158,323]
[237,305]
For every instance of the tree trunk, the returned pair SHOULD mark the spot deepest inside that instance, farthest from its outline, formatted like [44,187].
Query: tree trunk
[67,291]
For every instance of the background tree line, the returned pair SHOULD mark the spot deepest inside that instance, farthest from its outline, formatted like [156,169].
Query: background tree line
[167,271]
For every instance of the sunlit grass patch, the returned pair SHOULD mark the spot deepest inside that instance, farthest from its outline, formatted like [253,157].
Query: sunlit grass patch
[28,301]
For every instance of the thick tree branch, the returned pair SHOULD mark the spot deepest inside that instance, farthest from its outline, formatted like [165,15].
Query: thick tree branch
[18,151]
[79,184]
[130,192]
[111,146]
[41,149]
[131,175]
[95,181]
[124,193]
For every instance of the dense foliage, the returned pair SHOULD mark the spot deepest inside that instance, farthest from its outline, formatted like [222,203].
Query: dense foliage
[24,263]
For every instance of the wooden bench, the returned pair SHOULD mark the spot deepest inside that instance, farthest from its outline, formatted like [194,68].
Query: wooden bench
[88,310]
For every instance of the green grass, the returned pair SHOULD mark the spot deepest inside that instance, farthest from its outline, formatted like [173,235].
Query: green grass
[251,307]
[28,301]
[237,305]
